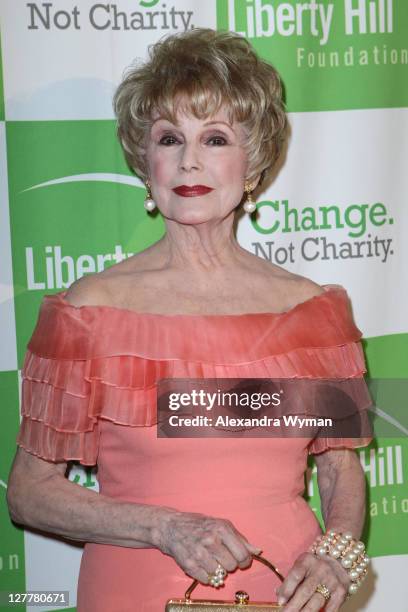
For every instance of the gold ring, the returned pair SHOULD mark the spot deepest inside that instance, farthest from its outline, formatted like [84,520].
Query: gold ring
[217,578]
[323,590]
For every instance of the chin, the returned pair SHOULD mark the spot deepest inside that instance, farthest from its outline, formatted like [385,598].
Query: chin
[192,217]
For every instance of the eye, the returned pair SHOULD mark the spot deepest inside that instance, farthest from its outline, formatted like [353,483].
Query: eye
[220,140]
[164,140]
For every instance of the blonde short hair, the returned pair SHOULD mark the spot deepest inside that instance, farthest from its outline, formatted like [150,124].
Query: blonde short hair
[209,69]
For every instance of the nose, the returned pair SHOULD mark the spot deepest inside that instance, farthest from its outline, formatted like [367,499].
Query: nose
[189,157]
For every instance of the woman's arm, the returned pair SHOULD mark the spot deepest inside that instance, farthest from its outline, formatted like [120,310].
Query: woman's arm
[342,490]
[40,496]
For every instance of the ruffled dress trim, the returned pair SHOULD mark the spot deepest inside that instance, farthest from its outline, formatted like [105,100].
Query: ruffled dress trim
[101,362]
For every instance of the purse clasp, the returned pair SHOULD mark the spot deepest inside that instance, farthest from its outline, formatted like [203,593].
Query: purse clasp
[241,597]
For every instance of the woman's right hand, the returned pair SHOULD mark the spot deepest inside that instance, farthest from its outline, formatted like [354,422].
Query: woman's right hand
[198,543]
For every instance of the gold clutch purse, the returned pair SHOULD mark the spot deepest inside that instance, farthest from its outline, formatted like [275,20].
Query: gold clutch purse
[242,600]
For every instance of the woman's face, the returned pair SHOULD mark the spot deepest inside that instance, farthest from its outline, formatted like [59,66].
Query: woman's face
[196,152]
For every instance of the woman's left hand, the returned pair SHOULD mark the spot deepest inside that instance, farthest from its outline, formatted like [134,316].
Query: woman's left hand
[299,586]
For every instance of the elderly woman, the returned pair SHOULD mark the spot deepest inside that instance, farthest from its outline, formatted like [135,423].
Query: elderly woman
[201,122]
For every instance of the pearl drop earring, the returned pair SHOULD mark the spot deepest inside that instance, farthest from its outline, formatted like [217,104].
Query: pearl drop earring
[149,203]
[249,205]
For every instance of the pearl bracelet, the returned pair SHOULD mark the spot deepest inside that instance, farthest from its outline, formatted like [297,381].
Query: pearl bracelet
[348,551]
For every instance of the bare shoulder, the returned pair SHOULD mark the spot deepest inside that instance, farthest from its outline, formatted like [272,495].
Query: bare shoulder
[288,282]
[90,290]
[107,287]
[300,289]
[306,288]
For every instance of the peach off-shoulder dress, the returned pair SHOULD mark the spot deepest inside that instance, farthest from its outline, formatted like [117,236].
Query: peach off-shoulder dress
[89,394]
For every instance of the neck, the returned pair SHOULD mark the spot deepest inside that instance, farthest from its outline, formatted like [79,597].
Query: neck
[200,249]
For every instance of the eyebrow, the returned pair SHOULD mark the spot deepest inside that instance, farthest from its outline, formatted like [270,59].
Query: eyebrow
[205,124]
[224,122]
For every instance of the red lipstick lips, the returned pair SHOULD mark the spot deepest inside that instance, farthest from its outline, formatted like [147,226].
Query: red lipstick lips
[192,190]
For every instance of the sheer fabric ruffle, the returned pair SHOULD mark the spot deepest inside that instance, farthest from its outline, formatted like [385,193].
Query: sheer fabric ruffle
[89,363]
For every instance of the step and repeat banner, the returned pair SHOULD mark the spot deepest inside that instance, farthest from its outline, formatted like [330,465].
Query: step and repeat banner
[336,211]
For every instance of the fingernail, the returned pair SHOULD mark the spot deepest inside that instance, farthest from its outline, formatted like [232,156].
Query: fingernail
[281,601]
